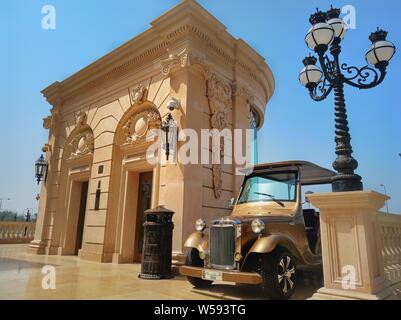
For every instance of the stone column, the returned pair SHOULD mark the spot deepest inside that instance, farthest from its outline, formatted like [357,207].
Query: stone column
[351,245]
[43,221]
[181,184]
[241,112]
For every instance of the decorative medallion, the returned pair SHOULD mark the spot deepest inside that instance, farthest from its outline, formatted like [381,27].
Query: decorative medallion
[138,94]
[82,144]
[137,126]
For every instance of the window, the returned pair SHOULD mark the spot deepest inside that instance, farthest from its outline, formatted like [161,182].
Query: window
[253,124]
[269,187]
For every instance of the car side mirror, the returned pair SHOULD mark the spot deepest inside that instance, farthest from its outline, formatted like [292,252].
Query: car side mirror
[231,203]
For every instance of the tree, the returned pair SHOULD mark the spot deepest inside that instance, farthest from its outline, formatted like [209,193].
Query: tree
[8,215]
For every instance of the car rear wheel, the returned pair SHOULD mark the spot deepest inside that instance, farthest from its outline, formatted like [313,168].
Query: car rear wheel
[193,260]
[278,273]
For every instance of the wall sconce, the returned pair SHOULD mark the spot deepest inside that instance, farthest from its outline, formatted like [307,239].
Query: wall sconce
[169,127]
[41,169]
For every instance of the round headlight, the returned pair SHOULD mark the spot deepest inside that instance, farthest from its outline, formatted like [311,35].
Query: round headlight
[238,257]
[258,226]
[200,225]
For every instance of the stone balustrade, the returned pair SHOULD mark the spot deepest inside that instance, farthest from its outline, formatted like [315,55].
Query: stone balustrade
[390,233]
[16,231]
[361,246]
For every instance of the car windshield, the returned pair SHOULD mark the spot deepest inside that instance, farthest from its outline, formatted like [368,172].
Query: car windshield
[277,187]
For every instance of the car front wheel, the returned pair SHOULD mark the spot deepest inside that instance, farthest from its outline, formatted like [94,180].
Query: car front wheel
[278,273]
[193,260]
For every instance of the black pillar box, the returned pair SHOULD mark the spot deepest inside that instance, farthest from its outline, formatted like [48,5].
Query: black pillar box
[157,244]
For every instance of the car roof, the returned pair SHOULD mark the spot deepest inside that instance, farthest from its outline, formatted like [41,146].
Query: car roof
[310,173]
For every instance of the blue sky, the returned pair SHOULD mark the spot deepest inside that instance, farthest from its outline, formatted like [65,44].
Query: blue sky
[295,127]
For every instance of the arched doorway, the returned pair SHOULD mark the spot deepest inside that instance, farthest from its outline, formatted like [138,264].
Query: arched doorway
[73,189]
[134,179]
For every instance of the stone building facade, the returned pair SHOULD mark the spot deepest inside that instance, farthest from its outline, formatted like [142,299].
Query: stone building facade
[99,182]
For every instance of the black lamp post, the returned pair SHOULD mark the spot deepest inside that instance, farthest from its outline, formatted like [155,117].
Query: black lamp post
[41,169]
[327,32]
[169,128]
[28,215]
[385,193]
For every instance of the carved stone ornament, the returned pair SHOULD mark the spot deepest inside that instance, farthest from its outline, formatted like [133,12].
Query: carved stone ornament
[80,118]
[47,122]
[244,93]
[82,144]
[50,121]
[137,126]
[175,60]
[47,148]
[219,93]
[138,94]
[217,181]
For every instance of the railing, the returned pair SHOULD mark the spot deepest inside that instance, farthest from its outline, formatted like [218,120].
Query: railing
[390,232]
[16,231]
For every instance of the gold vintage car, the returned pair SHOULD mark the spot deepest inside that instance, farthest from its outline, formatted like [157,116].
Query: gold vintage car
[266,237]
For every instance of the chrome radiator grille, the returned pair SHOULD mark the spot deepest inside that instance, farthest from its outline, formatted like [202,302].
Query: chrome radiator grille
[222,246]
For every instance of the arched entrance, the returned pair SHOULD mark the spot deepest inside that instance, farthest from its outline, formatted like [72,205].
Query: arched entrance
[73,190]
[136,180]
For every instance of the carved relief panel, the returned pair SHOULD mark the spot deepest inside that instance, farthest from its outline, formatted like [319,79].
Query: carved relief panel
[83,141]
[137,126]
[219,93]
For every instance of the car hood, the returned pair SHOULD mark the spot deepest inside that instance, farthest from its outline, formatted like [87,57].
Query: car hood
[247,220]
[264,210]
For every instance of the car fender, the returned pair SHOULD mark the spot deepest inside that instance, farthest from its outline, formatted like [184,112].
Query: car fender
[197,240]
[269,243]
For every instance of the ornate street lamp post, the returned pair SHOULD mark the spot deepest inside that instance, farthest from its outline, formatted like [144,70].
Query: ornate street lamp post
[326,33]
[28,215]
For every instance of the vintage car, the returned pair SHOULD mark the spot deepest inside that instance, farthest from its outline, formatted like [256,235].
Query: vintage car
[266,237]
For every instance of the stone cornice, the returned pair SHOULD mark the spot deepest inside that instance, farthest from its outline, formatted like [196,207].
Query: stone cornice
[186,20]
[187,8]
[348,200]
[53,94]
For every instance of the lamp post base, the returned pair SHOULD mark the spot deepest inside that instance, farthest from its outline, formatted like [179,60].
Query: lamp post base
[342,183]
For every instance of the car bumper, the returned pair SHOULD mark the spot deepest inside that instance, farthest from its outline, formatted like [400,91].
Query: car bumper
[229,276]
